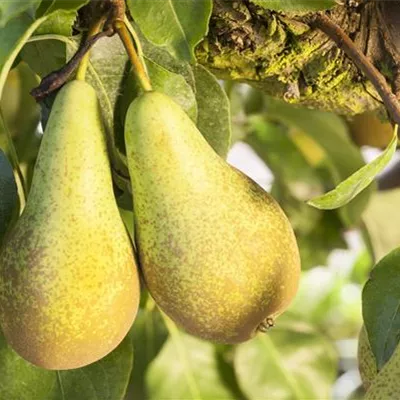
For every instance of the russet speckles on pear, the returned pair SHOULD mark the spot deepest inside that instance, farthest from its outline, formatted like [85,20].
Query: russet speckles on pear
[69,286]
[217,253]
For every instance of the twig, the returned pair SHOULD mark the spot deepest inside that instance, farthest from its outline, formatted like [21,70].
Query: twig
[342,40]
[56,79]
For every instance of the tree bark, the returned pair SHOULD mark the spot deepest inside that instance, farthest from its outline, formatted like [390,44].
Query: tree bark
[283,56]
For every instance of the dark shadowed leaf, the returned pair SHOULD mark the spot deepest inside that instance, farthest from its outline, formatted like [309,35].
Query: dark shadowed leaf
[292,361]
[8,193]
[214,118]
[176,24]
[381,307]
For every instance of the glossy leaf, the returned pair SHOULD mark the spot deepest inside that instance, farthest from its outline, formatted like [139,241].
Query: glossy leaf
[214,117]
[186,368]
[292,361]
[356,183]
[8,193]
[381,307]
[295,5]
[179,25]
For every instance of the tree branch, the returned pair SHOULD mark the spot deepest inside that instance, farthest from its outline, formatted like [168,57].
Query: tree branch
[343,41]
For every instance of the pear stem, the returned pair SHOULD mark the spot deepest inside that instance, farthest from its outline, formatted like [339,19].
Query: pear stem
[84,64]
[138,65]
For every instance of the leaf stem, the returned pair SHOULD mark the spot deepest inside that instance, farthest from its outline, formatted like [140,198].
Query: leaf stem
[138,65]
[84,64]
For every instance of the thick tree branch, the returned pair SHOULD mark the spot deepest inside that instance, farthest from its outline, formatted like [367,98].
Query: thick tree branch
[342,40]
[286,57]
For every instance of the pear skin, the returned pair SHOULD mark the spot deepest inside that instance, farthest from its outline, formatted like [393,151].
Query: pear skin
[69,287]
[386,384]
[217,253]
[366,359]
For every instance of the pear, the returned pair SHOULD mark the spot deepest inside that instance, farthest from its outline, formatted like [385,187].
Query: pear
[69,285]
[386,384]
[217,252]
[366,359]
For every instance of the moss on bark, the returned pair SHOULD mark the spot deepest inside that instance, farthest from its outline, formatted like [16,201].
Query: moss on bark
[284,57]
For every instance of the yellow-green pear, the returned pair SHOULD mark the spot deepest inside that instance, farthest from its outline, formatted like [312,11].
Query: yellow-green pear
[69,285]
[217,252]
[366,359]
[386,385]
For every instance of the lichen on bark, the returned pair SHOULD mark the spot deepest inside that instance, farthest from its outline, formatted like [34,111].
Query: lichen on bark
[281,55]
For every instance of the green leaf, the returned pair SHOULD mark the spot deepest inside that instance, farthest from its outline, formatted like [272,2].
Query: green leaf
[48,7]
[292,361]
[58,23]
[17,101]
[12,8]
[45,56]
[179,25]
[12,38]
[20,380]
[357,182]
[330,132]
[149,334]
[381,307]
[161,56]
[295,5]
[186,368]
[214,119]
[106,379]
[8,194]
